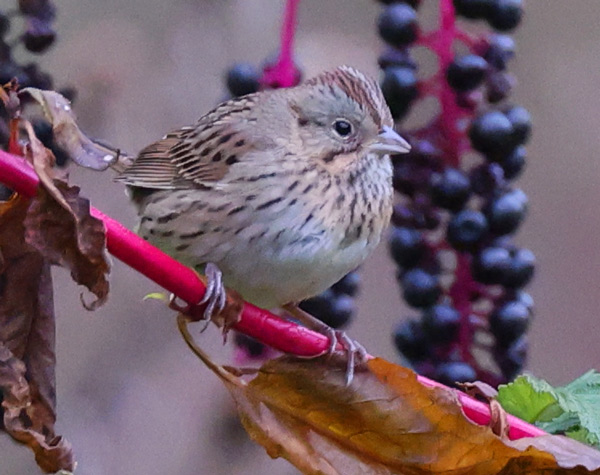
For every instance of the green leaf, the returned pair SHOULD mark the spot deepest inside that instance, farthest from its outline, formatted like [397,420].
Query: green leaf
[156,296]
[528,397]
[573,409]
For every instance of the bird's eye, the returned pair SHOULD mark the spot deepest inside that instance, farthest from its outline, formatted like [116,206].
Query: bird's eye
[342,127]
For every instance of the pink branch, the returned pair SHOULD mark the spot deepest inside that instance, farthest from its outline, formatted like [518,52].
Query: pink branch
[284,73]
[271,330]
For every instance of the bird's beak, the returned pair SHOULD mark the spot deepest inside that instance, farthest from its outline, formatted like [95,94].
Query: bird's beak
[389,142]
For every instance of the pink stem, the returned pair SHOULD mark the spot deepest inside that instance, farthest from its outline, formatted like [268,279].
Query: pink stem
[283,335]
[450,112]
[283,73]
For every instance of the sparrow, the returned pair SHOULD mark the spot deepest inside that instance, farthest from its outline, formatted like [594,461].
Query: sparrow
[277,194]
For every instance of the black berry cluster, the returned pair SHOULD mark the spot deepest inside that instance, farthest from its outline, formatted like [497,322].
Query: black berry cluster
[37,37]
[452,225]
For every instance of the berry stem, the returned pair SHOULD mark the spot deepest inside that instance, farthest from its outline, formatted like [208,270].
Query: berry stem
[284,73]
[450,112]
[283,335]
[460,293]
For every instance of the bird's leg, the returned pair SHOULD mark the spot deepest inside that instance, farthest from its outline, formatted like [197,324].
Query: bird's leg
[352,348]
[221,306]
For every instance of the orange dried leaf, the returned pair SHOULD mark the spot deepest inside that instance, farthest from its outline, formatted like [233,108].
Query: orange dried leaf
[385,422]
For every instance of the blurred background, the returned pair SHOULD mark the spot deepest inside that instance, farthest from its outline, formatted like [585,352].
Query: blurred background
[132,399]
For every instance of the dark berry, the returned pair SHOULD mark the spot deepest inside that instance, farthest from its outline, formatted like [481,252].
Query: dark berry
[410,340]
[487,178]
[242,79]
[333,310]
[466,229]
[491,265]
[406,246]
[39,35]
[399,88]
[10,70]
[396,57]
[69,93]
[412,3]
[397,24]
[473,9]
[450,189]
[500,50]
[509,322]
[319,306]
[525,299]
[347,285]
[43,131]
[520,119]
[506,212]
[499,86]
[4,25]
[254,348]
[441,323]
[492,133]
[343,309]
[420,288]
[466,72]
[454,372]
[514,163]
[511,360]
[505,15]
[521,269]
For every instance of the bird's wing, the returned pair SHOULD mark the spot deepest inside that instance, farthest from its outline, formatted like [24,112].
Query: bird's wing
[196,156]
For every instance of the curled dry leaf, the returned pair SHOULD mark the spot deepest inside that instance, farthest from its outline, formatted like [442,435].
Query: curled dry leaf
[69,137]
[27,358]
[385,422]
[56,228]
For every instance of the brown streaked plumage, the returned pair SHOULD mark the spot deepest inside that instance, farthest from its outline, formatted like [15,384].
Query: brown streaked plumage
[285,191]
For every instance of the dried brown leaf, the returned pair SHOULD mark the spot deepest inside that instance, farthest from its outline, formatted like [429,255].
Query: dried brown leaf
[27,358]
[386,422]
[56,228]
[67,134]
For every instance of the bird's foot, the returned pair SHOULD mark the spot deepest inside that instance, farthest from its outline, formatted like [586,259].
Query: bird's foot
[219,305]
[355,353]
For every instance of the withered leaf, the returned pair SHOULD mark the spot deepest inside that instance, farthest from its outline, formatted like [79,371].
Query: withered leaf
[27,358]
[385,422]
[68,136]
[72,239]
[55,227]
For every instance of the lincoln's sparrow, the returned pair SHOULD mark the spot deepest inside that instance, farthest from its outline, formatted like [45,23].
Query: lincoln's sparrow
[285,191]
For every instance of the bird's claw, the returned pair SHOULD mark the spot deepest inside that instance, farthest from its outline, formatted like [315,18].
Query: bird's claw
[215,305]
[355,352]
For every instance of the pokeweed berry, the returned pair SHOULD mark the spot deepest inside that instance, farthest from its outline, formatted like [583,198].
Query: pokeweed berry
[466,229]
[473,9]
[397,24]
[420,288]
[450,189]
[505,15]
[441,323]
[491,265]
[466,72]
[506,212]
[509,322]
[455,372]
[399,88]
[242,79]
[406,246]
[492,133]
[520,270]
[410,340]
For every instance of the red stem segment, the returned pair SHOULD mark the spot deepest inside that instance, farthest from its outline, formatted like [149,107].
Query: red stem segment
[284,73]
[271,330]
